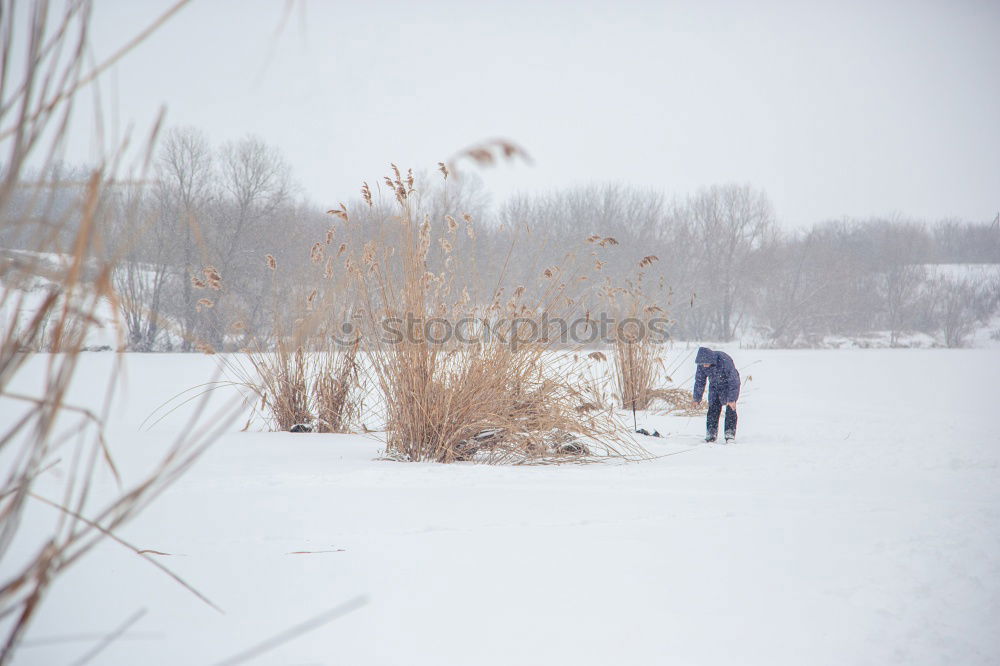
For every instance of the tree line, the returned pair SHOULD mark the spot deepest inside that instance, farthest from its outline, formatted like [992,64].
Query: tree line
[201,238]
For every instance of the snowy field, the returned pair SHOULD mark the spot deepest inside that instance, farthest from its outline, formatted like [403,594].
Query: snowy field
[856,521]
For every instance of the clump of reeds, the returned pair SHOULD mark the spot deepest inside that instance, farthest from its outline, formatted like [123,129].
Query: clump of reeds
[335,389]
[302,376]
[280,382]
[637,364]
[637,343]
[501,395]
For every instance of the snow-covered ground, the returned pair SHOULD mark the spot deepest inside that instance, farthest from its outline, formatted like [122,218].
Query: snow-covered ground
[20,306]
[856,521]
[981,273]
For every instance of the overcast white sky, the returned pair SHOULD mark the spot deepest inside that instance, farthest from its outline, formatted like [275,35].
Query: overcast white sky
[834,108]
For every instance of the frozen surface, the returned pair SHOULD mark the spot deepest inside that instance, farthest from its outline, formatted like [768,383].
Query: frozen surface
[856,521]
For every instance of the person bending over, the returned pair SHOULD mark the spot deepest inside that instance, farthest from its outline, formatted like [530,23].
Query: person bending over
[723,389]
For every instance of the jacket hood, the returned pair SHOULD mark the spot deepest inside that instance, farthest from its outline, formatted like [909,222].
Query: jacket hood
[705,355]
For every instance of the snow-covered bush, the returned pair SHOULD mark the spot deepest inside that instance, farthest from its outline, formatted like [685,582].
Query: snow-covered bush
[953,307]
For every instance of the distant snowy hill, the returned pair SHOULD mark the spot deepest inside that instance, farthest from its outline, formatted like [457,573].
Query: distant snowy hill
[20,303]
[978,272]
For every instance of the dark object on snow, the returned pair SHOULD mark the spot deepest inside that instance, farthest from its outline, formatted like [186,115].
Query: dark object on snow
[574,449]
[465,450]
[468,448]
[643,431]
[301,427]
[723,387]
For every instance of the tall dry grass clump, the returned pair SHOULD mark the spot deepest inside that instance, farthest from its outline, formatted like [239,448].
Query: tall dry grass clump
[637,366]
[637,343]
[282,384]
[296,389]
[337,390]
[304,373]
[462,380]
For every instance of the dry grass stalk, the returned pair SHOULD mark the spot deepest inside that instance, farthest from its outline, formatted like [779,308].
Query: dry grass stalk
[34,115]
[486,154]
[593,385]
[677,401]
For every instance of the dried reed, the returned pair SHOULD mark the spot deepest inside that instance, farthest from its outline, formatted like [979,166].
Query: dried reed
[677,401]
[335,386]
[281,385]
[299,372]
[636,345]
[35,110]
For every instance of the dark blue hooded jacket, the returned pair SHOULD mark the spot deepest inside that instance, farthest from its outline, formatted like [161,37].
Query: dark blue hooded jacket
[724,379]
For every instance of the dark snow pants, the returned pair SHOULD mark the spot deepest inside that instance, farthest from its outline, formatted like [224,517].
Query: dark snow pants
[712,422]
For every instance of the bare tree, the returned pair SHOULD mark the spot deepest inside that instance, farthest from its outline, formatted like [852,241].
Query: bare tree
[901,249]
[956,306]
[257,180]
[790,297]
[254,184]
[729,223]
[185,187]
[142,241]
